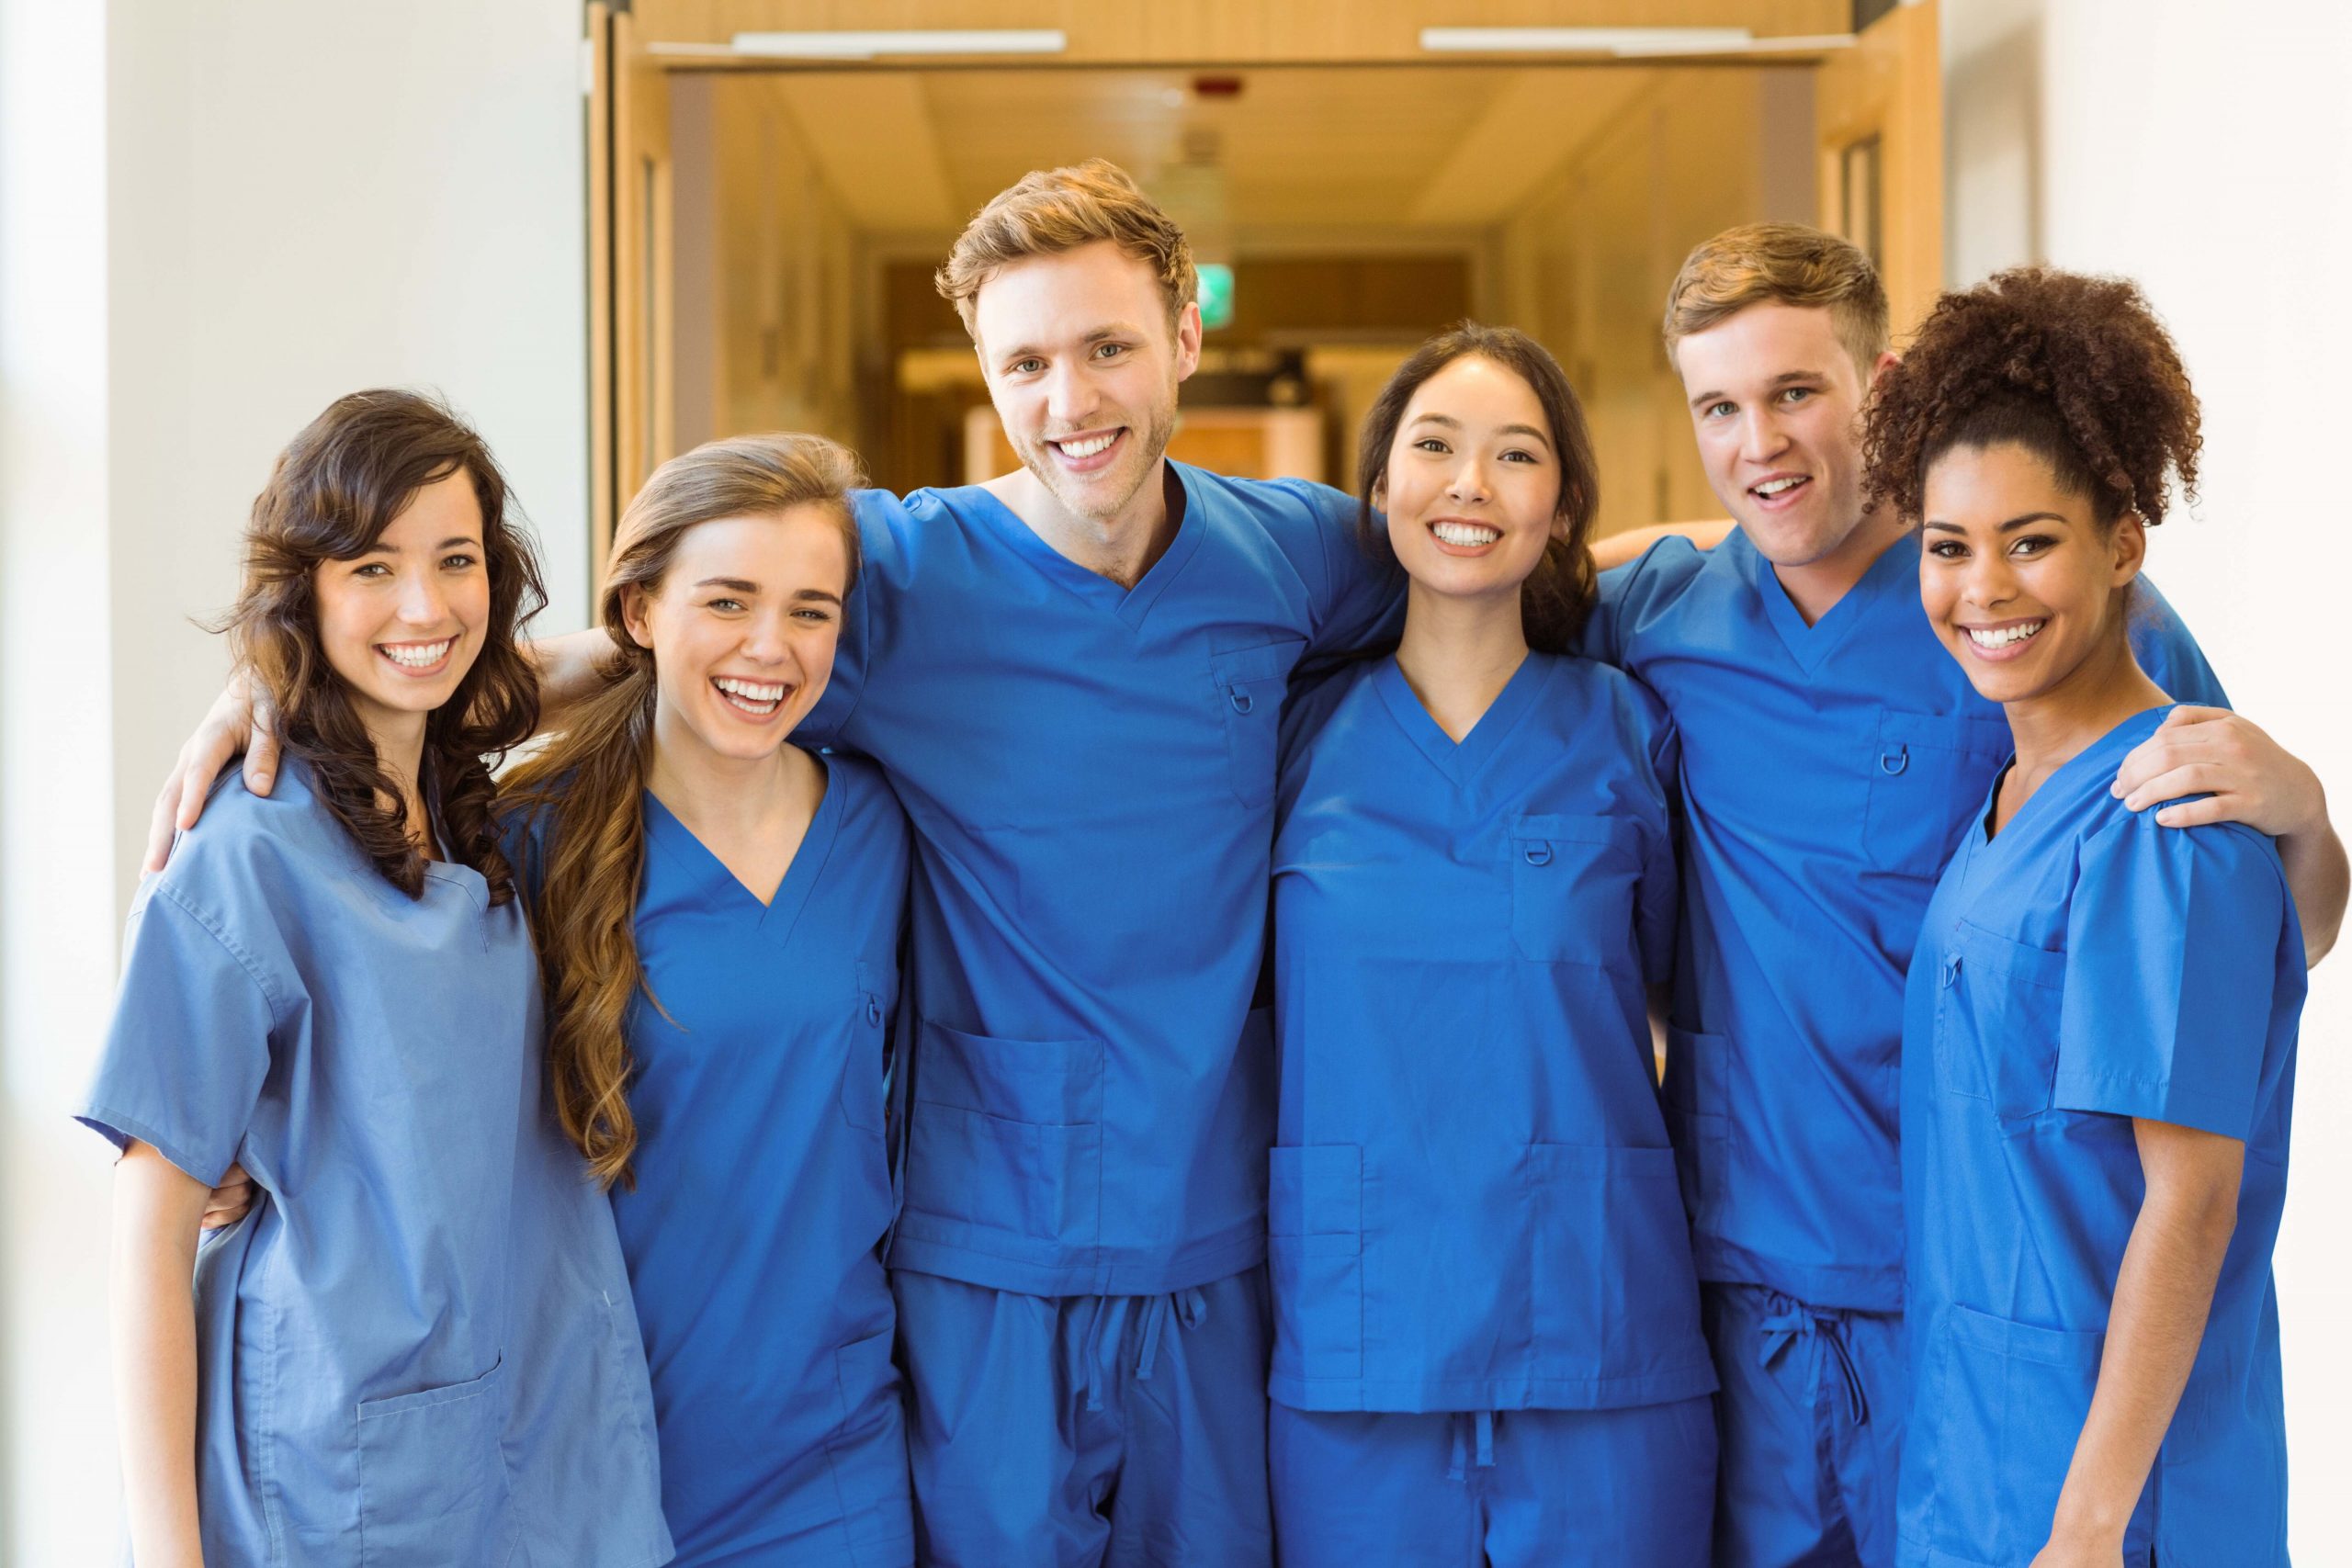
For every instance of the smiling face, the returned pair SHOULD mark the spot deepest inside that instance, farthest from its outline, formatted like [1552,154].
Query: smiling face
[2017,575]
[1083,366]
[743,626]
[403,623]
[1472,488]
[1775,399]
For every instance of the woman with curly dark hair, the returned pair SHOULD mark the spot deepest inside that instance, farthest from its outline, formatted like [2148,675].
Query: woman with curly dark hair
[2102,1017]
[416,1348]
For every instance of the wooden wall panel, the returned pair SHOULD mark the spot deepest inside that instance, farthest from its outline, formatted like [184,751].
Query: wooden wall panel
[1890,87]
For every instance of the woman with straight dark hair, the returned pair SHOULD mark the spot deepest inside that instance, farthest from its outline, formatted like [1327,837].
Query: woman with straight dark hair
[416,1348]
[718,912]
[1488,1345]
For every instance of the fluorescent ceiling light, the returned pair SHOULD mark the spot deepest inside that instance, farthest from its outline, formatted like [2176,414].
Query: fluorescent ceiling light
[927,41]
[1622,43]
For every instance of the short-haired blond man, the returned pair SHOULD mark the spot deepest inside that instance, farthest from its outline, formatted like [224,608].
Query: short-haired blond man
[1834,754]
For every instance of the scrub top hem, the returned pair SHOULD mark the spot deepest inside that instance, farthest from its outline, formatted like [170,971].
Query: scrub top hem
[1139,1274]
[1436,1396]
[121,1129]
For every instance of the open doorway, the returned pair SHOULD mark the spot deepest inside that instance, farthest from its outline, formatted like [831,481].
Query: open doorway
[766,231]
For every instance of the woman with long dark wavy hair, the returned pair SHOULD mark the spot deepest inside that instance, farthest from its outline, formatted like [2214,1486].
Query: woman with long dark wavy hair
[416,1348]
[1487,1344]
[719,912]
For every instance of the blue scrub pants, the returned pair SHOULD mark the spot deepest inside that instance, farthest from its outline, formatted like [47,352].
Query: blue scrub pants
[1513,1488]
[1072,1432]
[1811,1418]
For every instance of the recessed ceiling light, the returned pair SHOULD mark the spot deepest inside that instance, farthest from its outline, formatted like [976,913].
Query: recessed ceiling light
[847,45]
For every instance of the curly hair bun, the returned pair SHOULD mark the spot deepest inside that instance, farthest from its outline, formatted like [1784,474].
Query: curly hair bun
[2075,369]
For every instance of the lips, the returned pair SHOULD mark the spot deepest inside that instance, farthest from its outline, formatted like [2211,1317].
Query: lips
[1775,490]
[752,699]
[1089,451]
[2008,639]
[418,658]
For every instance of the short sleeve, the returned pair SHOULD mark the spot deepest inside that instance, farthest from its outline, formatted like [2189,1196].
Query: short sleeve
[1660,897]
[1627,593]
[2169,654]
[2172,950]
[189,1050]
[853,653]
[1361,606]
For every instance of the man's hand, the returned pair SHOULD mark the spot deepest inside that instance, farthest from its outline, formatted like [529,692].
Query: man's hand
[240,720]
[230,1201]
[2248,777]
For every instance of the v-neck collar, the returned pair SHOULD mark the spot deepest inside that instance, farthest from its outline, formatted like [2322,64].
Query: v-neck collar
[1459,760]
[1129,604]
[1809,645]
[672,838]
[2101,753]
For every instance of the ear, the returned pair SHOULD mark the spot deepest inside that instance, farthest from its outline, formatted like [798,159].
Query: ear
[1887,360]
[634,605]
[1188,341]
[1380,492]
[2129,544]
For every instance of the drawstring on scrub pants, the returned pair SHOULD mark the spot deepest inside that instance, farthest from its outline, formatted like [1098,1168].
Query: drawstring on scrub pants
[1190,1308]
[1790,1320]
[1480,1424]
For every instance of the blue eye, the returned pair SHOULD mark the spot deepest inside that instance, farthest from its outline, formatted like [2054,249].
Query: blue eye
[1110,350]
[1714,410]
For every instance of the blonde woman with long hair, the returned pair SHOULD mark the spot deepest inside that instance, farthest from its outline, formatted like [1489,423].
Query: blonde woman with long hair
[717,913]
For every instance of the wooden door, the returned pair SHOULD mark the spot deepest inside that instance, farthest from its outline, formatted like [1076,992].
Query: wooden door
[1877,124]
[630,239]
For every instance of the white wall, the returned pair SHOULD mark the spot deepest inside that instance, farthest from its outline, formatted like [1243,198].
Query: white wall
[214,219]
[2207,151]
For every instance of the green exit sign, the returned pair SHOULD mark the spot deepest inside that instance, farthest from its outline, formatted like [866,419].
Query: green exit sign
[1217,295]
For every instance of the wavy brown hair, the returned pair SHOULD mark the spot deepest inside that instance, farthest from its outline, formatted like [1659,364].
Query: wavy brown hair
[2074,369]
[1557,595]
[336,487]
[583,792]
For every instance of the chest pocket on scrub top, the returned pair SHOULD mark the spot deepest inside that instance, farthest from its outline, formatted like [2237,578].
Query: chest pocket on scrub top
[1249,689]
[1997,1020]
[1571,877]
[1928,774]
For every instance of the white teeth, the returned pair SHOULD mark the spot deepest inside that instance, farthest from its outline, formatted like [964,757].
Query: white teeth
[2001,636]
[1087,449]
[1465,534]
[1774,487]
[751,690]
[417,655]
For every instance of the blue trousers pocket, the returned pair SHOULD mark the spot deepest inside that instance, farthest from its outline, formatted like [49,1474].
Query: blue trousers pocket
[432,1482]
[1315,1245]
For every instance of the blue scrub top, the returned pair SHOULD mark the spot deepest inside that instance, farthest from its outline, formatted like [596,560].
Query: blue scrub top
[1827,772]
[2082,968]
[753,1232]
[1474,1201]
[375,1341]
[1089,770]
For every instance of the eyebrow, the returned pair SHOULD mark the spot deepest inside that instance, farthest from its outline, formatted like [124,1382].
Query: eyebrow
[1452,423]
[735,584]
[1785,378]
[817,596]
[454,542]
[2013,523]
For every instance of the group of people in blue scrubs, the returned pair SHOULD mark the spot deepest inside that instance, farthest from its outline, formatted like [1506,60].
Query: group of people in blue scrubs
[1105,1017]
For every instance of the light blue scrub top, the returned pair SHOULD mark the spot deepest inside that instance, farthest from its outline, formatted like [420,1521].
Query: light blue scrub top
[2082,968]
[1827,772]
[762,1189]
[418,1348]
[1474,1202]
[1089,770]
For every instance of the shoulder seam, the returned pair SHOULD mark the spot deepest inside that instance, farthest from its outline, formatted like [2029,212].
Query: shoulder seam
[246,963]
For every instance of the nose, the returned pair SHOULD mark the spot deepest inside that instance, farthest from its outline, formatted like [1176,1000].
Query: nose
[1069,399]
[422,602]
[766,640]
[1761,438]
[1988,579]
[1468,482]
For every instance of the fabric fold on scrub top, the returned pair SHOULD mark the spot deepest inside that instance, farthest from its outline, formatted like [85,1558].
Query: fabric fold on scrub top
[754,1229]
[369,1339]
[1827,773]
[1474,1203]
[2082,968]
[1089,770]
